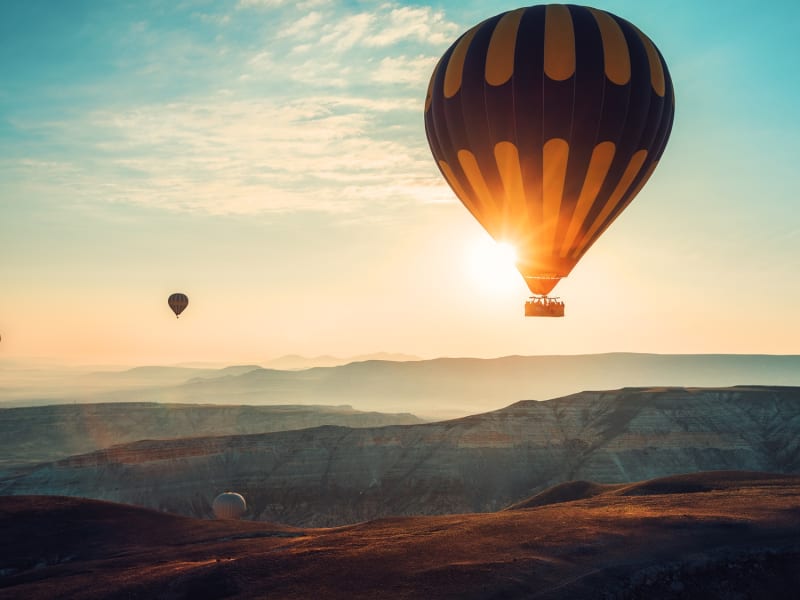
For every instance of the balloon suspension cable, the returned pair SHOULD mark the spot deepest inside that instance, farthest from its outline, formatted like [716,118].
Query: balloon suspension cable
[544,306]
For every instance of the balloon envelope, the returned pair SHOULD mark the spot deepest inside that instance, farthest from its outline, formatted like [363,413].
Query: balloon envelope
[178,303]
[546,121]
[229,505]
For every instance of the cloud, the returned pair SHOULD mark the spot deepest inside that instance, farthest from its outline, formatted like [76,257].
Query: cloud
[328,154]
[315,110]
[303,27]
[401,69]
[308,4]
[302,6]
[245,4]
[386,25]
[420,24]
[348,32]
[219,20]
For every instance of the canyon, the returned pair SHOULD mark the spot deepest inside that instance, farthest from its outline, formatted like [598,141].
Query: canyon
[333,475]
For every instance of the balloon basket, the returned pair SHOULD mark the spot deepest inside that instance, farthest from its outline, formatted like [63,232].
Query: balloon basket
[544,306]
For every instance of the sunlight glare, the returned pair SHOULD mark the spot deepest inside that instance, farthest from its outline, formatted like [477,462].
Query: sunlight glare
[491,265]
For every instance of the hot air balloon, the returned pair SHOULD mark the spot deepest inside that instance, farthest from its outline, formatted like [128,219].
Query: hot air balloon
[178,303]
[546,122]
[229,505]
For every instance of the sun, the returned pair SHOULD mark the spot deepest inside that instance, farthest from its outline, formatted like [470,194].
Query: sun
[506,253]
[491,265]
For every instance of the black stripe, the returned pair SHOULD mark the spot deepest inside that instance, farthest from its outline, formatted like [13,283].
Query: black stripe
[587,112]
[477,115]
[640,93]
[528,106]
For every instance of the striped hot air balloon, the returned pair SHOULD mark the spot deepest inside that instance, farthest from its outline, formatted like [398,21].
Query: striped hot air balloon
[546,122]
[178,303]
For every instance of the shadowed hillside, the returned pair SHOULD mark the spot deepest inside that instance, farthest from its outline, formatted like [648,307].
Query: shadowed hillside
[565,492]
[737,538]
[336,475]
[37,434]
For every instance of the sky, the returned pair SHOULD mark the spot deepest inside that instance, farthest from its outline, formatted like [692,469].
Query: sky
[268,158]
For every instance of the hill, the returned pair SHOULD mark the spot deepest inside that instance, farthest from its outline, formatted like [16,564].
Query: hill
[738,538]
[336,475]
[42,433]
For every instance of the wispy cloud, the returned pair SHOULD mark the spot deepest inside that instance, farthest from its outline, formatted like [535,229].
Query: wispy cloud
[420,24]
[304,27]
[245,4]
[326,154]
[384,26]
[306,110]
[348,32]
[401,69]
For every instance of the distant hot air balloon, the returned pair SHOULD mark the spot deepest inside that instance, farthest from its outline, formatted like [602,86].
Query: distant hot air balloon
[546,122]
[229,505]
[178,302]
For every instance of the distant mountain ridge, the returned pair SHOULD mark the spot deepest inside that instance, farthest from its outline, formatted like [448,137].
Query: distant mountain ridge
[337,475]
[451,387]
[433,389]
[294,362]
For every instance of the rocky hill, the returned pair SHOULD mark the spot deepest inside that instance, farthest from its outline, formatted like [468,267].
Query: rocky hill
[708,535]
[337,475]
[42,433]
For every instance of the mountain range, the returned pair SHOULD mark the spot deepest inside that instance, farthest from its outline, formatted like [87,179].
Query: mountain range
[431,389]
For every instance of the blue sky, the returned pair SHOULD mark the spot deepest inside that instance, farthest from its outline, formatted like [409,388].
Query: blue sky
[268,158]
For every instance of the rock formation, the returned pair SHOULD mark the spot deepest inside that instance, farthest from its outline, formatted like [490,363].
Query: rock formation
[336,475]
[36,434]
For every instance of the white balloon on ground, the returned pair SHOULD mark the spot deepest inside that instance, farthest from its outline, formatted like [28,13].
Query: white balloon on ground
[229,505]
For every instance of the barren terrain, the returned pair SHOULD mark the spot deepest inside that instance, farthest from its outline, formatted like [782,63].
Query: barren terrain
[332,476]
[708,535]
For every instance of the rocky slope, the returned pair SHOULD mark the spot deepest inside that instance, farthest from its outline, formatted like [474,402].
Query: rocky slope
[707,535]
[37,434]
[336,475]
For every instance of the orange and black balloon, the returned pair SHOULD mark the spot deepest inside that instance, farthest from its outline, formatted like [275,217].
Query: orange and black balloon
[178,303]
[546,122]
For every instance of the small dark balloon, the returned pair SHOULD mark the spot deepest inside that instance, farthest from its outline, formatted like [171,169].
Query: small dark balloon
[178,303]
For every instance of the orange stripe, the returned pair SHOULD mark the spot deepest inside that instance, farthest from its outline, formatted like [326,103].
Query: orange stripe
[515,208]
[467,199]
[500,55]
[559,43]
[554,173]
[486,212]
[629,198]
[602,155]
[635,164]
[455,67]
[616,57]
[453,181]
[639,187]
[656,70]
